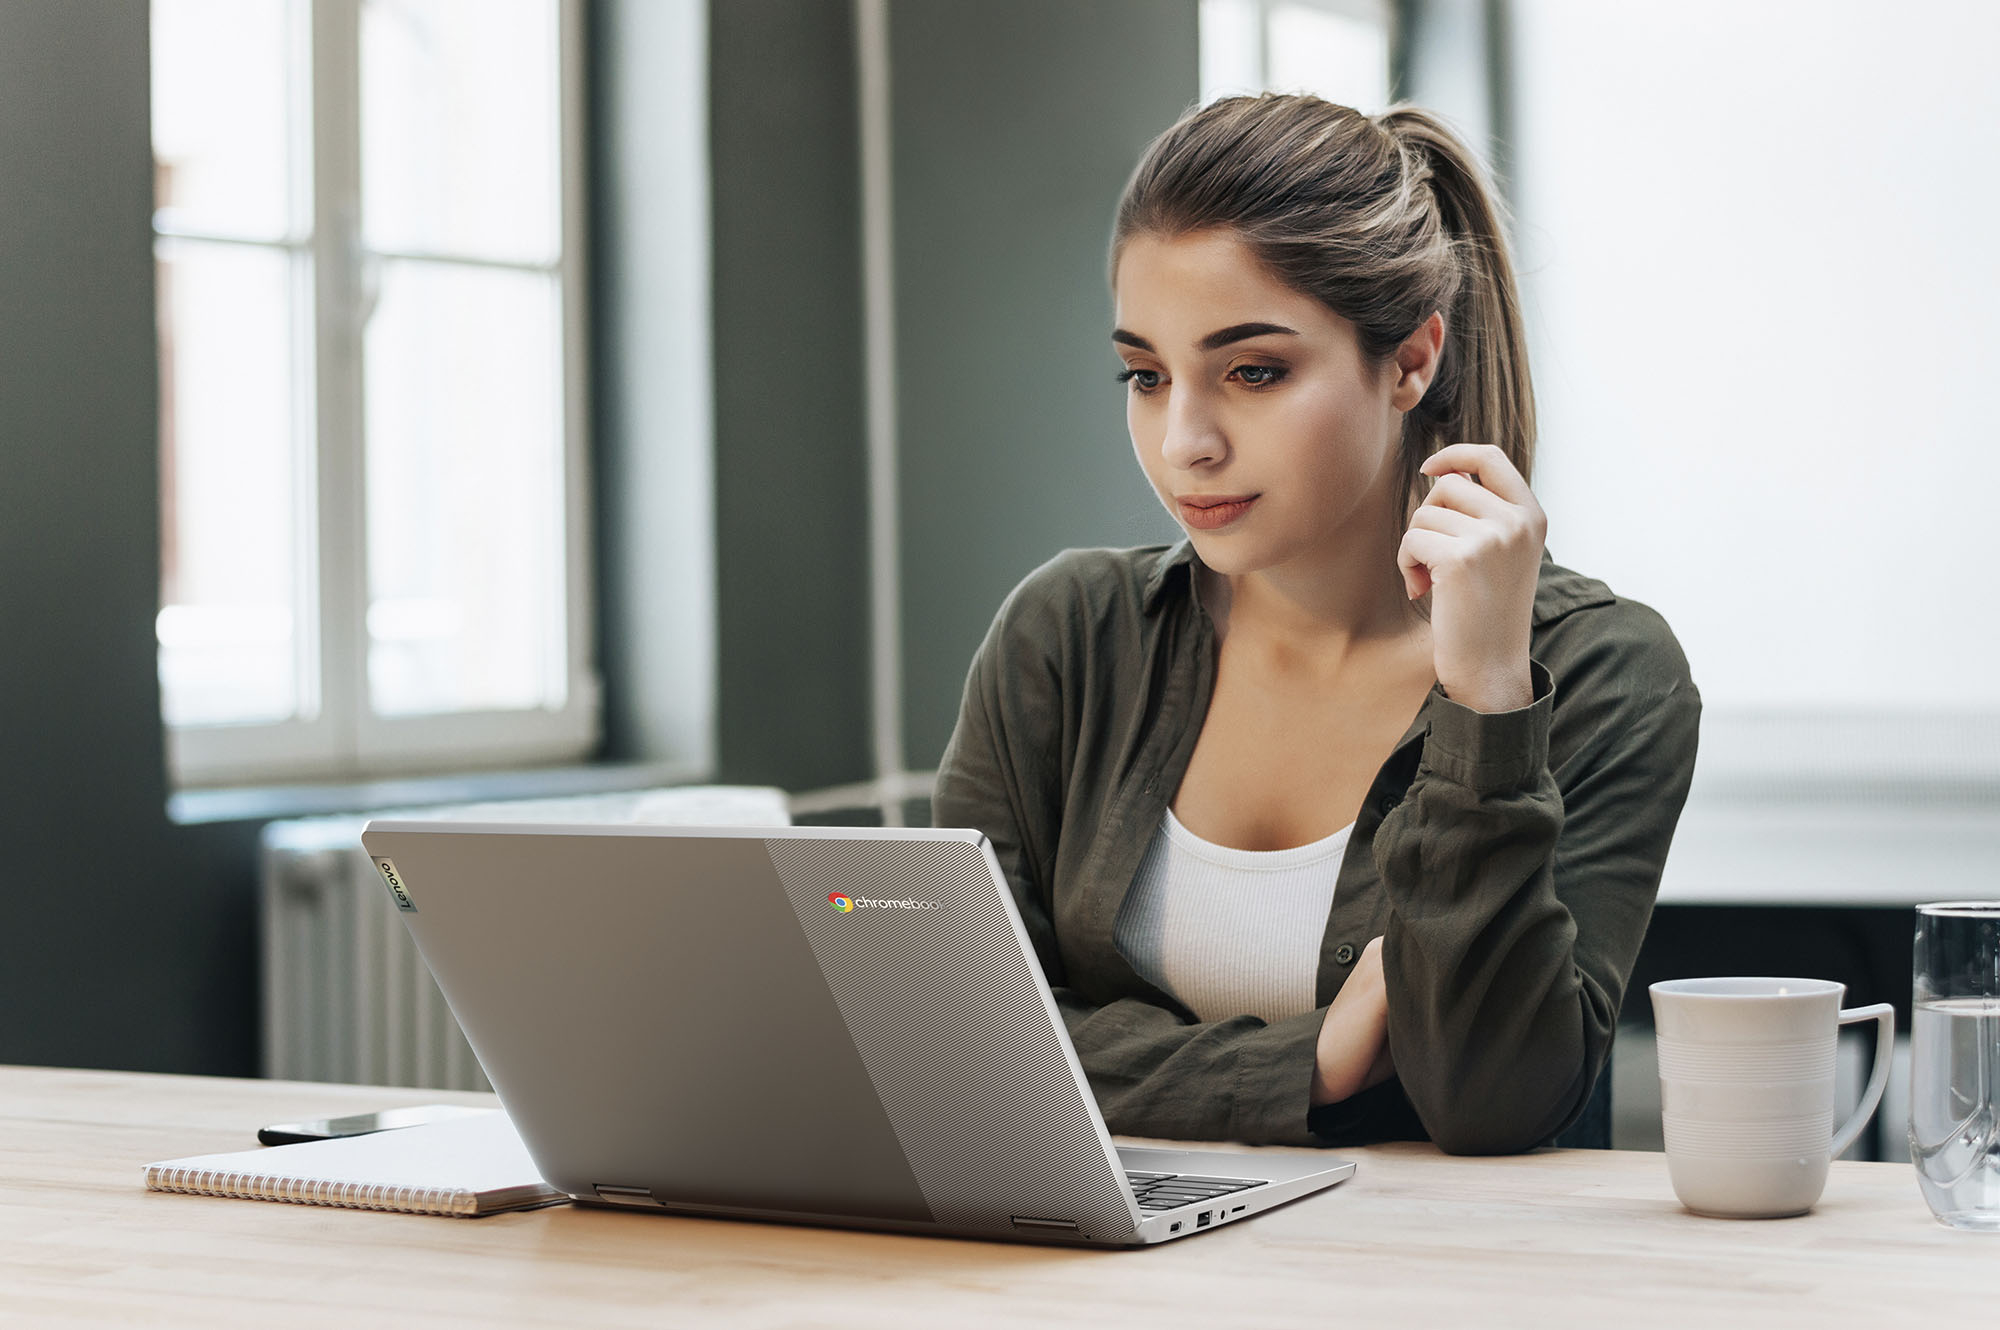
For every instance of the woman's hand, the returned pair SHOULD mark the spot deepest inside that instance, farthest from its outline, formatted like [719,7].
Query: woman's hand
[1354,1038]
[1476,540]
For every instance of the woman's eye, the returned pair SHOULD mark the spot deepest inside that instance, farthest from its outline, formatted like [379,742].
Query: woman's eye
[1145,380]
[1258,376]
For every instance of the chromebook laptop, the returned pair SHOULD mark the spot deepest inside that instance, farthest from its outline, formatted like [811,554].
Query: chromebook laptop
[841,1026]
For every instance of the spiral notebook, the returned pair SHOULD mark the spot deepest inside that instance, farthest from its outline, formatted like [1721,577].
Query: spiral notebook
[464,1167]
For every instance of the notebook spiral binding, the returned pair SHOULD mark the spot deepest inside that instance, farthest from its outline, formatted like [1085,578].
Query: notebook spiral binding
[349,1195]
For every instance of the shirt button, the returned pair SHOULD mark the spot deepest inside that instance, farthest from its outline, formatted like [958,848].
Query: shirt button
[1386,802]
[1344,953]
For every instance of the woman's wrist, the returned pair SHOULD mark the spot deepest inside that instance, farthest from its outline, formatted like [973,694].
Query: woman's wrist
[1508,689]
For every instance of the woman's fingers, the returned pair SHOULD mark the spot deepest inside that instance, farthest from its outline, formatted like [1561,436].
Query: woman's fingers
[1449,521]
[1487,463]
[1498,523]
[1475,546]
[1462,493]
[1424,553]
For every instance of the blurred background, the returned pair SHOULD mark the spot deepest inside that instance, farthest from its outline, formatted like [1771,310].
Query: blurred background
[416,401]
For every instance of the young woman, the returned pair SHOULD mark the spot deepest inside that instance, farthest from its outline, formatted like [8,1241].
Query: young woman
[1342,819]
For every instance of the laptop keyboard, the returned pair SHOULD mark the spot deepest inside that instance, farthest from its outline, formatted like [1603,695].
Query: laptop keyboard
[1170,1191]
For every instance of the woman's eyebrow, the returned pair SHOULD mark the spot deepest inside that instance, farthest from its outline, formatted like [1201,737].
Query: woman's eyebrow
[1216,340]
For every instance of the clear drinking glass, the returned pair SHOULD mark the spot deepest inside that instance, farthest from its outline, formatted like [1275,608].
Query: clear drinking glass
[1955,1062]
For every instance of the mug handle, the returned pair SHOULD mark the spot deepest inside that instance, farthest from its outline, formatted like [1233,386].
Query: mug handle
[1885,1042]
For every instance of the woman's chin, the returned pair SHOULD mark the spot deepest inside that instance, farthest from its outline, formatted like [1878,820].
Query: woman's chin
[1229,554]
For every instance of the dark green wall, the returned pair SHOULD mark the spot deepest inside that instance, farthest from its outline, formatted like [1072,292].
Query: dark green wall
[124,941]
[791,477]
[1016,127]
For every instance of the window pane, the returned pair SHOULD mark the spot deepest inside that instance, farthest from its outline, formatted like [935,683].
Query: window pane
[1232,48]
[1335,56]
[1336,49]
[221,122]
[465,491]
[459,123]
[231,515]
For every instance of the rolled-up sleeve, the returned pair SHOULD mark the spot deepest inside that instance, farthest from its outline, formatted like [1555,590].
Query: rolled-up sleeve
[1520,887]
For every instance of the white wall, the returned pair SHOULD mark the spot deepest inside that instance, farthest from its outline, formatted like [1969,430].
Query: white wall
[1761,287]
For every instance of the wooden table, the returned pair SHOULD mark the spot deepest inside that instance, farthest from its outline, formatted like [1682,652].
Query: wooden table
[1415,1239]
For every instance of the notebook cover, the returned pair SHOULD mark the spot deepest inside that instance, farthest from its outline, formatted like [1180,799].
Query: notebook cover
[464,1167]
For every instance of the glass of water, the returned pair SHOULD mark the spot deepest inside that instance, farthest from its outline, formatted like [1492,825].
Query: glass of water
[1955,1062]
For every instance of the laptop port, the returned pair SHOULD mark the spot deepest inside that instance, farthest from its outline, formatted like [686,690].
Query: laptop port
[1175,1229]
[624,1195]
[1201,1220]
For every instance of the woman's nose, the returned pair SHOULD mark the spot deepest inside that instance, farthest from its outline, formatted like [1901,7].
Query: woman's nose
[1194,437]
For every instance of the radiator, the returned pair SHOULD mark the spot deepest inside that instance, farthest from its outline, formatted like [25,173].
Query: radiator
[346,997]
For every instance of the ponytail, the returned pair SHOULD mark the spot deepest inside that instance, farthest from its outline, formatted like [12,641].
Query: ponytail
[1482,392]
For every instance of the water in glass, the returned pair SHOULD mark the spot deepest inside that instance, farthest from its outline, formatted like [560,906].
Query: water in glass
[1955,1109]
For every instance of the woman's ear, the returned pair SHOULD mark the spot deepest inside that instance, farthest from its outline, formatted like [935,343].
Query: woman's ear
[1416,363]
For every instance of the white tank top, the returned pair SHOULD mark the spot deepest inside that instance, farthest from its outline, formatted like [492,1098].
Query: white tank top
[1230,932]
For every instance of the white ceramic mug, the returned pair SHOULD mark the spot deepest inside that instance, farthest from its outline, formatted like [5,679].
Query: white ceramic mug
[1746,1090]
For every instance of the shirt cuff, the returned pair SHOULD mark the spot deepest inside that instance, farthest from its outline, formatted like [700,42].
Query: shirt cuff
[1273,1082]
[1491,751]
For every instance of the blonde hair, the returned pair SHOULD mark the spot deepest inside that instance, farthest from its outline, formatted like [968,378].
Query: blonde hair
[1384,219]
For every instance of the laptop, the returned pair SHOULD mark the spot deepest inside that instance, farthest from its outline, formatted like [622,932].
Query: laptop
[817,1025]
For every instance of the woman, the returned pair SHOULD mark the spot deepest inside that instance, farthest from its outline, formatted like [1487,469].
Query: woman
[1342,819]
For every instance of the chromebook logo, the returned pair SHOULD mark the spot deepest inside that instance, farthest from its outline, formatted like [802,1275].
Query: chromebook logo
[849,904]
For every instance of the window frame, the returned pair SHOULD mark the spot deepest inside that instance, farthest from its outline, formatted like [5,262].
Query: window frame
[339,736]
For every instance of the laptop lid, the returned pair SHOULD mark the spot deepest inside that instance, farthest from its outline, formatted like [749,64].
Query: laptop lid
[831,1025]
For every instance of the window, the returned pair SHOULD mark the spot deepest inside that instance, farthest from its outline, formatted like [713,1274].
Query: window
[1336,49]
[369,258]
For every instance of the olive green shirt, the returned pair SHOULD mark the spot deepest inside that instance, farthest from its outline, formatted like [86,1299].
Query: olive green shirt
[1508,860]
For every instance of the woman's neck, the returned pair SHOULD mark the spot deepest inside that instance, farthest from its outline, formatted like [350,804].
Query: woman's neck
[1324,607]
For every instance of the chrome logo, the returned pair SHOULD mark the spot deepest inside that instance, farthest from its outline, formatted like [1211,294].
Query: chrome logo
[841,903]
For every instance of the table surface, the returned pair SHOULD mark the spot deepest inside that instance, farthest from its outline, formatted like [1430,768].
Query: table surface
[1571,1237]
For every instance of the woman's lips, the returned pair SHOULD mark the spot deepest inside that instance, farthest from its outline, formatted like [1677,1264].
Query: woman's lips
[1209,511]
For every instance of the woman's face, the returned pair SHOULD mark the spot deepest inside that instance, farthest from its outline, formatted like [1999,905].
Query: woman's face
[1252,411]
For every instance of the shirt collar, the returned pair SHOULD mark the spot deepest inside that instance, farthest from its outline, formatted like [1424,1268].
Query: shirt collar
[1557,591]
[1162,572]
